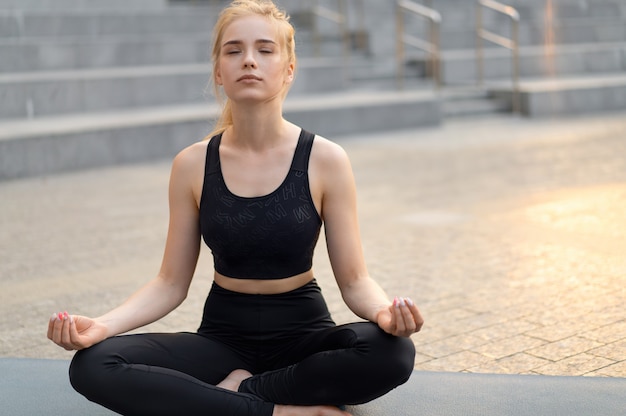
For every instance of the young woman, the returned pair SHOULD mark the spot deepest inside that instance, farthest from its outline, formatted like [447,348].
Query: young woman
[257,192]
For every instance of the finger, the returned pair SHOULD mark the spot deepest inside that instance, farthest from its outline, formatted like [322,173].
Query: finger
[74,335]
[65,332]
[409,319]
[417,315]
[400,324]
[51,325]
[57,328]
[393,322]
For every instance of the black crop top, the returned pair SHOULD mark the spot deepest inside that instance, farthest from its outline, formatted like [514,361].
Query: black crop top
[265,237]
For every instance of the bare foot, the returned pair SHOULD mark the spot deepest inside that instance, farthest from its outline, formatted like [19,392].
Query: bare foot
[283,410]
[234,379]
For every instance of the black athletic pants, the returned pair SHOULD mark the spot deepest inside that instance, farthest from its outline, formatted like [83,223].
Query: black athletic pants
[287,341]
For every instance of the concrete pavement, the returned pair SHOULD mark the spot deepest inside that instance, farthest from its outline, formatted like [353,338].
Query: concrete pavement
[508,232]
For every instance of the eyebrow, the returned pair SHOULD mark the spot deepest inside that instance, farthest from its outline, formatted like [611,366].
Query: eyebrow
[239,42]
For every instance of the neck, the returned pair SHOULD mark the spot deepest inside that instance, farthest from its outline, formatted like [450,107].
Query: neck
[258,126]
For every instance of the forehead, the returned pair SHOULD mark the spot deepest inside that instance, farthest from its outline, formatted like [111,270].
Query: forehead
[251,28]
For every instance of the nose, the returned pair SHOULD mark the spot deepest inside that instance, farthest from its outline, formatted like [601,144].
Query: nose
[249,61]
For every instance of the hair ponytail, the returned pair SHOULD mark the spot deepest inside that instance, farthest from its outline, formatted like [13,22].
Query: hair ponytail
[224,121]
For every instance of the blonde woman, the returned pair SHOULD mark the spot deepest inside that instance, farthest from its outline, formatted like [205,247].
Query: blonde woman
[257,192]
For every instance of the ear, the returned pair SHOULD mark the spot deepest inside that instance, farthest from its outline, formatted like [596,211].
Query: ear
[217,77]
[290,73]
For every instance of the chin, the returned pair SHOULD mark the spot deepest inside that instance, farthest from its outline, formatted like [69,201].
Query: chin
[255,98]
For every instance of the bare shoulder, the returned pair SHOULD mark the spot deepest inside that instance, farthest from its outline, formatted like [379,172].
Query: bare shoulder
[192,155]
[327,154]
[330,171]
[188,168]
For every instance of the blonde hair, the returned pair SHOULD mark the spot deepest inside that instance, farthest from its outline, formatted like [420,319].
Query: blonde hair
[236,10]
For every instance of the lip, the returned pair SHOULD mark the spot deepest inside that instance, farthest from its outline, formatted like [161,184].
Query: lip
[249,77]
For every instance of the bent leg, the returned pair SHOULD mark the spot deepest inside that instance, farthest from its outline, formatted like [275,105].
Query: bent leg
[162,374]
[348,364]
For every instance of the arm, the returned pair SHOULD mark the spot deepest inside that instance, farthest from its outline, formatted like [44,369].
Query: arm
[167,290]
[339,209]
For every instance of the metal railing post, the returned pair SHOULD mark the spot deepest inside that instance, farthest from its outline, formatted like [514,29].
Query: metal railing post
[316,31]
[399,47]
[361,42]
[516,104]
[340,18]
[435,60]
[431,46]
[480,74]
[512,44]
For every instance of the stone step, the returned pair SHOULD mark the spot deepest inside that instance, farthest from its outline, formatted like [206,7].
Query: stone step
[41,94]
[37,40]
[590,25]
[459,12]
[44,39]
[586,30]
[82,4]
[471,101]
[41,54]
[458,31]
[566,31]
[72,52]
[94,23]
[56,144]
[566,96]
[562,9]
[37,54]
[460,66]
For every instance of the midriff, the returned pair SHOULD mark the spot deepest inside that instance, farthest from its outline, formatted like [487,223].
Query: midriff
[263,287]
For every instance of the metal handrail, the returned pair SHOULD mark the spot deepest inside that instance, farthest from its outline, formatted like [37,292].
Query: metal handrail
[338,17]
[511,44]
[431,46]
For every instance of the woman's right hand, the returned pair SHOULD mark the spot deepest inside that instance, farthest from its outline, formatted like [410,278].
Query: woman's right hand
[74,332]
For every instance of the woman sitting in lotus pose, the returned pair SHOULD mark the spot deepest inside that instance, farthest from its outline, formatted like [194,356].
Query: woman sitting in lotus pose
[257,192]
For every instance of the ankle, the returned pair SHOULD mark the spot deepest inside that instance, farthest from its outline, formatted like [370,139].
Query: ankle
[234,379]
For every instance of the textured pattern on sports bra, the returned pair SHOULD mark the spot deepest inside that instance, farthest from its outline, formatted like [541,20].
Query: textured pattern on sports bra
[266,237]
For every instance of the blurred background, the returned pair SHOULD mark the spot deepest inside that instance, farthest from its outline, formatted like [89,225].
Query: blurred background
[108,73]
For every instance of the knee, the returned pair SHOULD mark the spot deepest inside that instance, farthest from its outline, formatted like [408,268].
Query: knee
[86,370]
[402,359]
[396,357]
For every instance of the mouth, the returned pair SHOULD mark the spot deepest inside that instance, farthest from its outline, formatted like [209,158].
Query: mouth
[249,77]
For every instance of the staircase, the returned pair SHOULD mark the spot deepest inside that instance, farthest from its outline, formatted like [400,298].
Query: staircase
[572,56]
[86,83]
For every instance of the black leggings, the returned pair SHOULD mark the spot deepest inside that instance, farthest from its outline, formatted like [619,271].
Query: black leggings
[296,353]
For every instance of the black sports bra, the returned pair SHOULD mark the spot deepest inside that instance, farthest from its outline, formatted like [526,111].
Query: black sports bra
[266,237]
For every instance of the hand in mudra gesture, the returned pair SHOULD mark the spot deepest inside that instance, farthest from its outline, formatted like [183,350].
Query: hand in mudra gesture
[74,332]
[402,318]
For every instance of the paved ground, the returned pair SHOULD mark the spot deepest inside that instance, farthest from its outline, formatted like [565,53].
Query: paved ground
[509,233]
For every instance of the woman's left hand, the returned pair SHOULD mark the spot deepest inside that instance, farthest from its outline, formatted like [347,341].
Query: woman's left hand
[401,319]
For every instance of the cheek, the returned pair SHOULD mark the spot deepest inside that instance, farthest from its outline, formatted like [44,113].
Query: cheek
[222,72]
